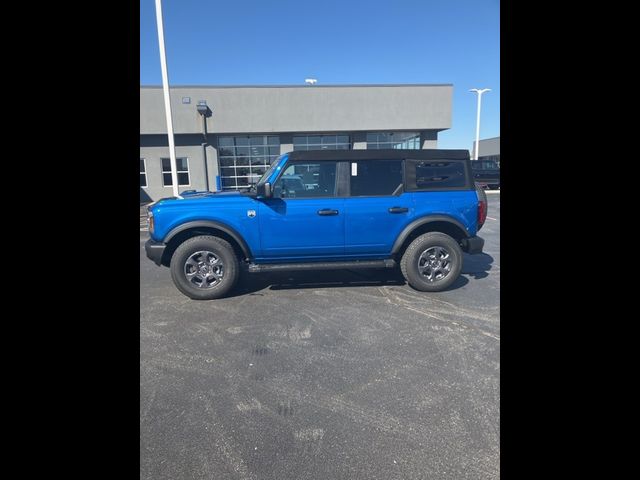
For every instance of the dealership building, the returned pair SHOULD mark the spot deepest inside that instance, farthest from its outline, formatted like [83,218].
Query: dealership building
[489,149]
[226,136]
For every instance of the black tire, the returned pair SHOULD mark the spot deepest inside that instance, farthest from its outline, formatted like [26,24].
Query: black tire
[222,274]
[433,241]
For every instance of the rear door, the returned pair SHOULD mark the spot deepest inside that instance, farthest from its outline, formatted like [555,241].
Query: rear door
[377,208]
[305,218]
[443,187]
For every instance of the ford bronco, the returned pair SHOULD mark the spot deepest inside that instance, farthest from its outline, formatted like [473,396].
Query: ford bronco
[419,209]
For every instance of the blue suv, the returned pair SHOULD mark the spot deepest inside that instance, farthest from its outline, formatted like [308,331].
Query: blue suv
[419,209]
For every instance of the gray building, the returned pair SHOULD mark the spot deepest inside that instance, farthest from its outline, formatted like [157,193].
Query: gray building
[229,143]
[489,149]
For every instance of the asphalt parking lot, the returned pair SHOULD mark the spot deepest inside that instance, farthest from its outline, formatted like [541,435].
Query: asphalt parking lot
[323,375]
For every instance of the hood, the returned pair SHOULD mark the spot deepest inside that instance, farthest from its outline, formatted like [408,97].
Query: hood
[192,195]
[215,206]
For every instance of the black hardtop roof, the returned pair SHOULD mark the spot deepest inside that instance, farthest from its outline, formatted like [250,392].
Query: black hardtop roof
[387,154]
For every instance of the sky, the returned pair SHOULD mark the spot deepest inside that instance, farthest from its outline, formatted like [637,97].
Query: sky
[282,42]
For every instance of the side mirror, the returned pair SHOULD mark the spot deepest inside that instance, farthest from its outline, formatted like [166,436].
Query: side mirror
[264,190]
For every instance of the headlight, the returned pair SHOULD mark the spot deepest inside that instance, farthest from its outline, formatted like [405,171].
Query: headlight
[150,220]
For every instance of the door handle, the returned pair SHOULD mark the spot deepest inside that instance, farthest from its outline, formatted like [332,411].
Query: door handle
[398,210]
[327,211]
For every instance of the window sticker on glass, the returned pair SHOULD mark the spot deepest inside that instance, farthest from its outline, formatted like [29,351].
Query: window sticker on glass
[354,169]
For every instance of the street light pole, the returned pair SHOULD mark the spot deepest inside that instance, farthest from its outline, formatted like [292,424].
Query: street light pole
[479,92]
[167,100]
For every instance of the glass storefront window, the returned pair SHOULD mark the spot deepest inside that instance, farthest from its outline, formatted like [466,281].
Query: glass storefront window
[244,158]
[395,140]
[321,142]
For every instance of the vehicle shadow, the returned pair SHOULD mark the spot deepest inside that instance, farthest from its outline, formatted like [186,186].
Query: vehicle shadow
[253,283]
[475,266]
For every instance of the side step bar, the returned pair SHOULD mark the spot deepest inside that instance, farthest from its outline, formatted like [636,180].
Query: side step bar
[285,267]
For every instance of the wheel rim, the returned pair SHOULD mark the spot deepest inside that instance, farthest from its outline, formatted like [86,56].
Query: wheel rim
[434,264]
[204,269]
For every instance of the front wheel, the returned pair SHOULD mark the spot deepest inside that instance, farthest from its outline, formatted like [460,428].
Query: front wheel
[204,267]
[432,262]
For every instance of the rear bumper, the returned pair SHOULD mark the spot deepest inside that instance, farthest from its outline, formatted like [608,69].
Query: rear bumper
[472,245]
[154,251]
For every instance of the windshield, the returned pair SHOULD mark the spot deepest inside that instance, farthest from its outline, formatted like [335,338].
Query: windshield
[268,173]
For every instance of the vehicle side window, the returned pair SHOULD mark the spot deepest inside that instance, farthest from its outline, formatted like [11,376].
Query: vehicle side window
[435,174]
[375,177]
[307,180]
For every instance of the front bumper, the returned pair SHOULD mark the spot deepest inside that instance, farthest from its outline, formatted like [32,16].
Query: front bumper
[154,251]
[472,245]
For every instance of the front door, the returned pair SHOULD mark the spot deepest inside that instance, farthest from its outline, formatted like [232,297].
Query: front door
[304,220]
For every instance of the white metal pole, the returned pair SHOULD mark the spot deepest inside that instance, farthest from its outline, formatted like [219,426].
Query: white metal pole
[477,145]
[167,99]
[477,125]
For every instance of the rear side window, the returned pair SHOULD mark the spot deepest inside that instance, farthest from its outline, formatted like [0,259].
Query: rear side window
[375,177]
[436,174]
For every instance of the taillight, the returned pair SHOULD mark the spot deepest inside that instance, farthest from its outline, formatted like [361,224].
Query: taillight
[482,212]
[482,205]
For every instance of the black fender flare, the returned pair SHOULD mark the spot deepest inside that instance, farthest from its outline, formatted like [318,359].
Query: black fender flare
[211,224]
[422,221]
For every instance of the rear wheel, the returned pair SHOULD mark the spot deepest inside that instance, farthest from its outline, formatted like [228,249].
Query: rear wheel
[204,267]
[432,262]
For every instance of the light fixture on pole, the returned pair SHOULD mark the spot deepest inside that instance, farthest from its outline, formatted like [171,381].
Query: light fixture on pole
[204,110]
[479,92]
[167,100]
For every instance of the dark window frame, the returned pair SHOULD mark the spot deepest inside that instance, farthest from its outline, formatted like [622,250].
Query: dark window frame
[187,171]
[343,177]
